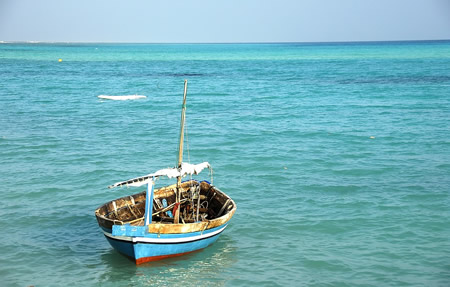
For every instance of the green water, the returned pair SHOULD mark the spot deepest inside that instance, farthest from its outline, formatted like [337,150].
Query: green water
[337,156]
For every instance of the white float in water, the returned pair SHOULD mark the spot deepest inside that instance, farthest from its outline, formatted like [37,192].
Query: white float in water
[122,98]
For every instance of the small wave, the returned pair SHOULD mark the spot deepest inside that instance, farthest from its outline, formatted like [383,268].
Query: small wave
[121,98]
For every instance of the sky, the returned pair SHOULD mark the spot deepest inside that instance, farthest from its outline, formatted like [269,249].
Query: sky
[211,21]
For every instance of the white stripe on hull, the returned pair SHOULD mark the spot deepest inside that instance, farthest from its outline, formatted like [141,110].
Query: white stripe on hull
[164,240]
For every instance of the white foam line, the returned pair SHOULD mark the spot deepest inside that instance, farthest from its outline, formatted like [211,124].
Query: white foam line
[121,98]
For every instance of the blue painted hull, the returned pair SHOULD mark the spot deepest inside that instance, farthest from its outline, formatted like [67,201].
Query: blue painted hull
[150,247]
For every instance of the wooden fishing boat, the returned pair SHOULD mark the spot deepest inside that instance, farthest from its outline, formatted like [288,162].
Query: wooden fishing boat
[167,221]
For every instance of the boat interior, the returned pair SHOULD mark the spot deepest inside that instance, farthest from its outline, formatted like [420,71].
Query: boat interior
[199,201]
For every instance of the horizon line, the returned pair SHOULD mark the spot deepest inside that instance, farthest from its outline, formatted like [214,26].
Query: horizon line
[200,43]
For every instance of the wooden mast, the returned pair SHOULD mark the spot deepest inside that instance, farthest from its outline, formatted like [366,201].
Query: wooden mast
[180,154]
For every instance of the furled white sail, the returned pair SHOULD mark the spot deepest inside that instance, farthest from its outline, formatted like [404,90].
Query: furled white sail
[186,169]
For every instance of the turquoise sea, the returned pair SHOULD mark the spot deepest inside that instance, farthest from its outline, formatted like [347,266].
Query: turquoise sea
[337,156]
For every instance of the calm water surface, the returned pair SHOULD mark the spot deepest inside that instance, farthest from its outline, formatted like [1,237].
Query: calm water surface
[337,155]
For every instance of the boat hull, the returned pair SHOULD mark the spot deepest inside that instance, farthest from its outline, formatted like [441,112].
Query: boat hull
[150,247]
